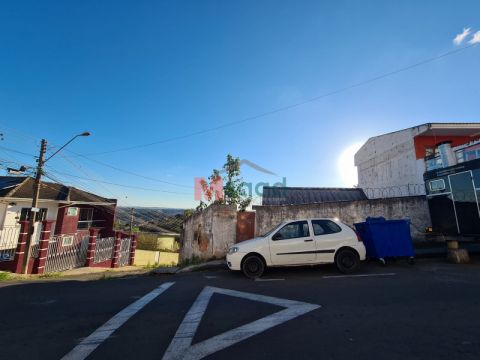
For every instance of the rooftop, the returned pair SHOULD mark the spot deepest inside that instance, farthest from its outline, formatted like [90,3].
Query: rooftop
[274,195]
[21,187]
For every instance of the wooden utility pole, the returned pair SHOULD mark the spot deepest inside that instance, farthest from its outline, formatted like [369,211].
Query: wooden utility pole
[34,210]
[132,212]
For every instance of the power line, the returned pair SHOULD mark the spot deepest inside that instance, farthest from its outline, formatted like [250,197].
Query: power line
[121,185]
[103,164]
[17,152]
[128,171]
[289,107]
[233,123]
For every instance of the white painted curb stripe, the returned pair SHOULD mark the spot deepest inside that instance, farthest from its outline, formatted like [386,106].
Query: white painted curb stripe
[90,343]
[360,275]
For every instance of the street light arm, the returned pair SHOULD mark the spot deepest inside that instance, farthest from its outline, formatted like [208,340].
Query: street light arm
[56,152]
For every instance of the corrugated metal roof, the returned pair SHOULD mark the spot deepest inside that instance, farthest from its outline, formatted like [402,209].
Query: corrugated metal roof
[9,183]
[273,195]
[22,187]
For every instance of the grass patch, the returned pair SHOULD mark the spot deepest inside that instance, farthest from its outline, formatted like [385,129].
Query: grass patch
[4,276]
[50,275]
[194,260]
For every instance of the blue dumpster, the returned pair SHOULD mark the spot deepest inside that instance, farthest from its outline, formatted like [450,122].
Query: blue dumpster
[386,238]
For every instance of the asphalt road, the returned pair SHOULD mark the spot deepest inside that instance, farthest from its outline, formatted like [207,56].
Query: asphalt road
[427,311]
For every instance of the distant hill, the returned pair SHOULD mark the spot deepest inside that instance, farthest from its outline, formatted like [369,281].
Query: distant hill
[151,219]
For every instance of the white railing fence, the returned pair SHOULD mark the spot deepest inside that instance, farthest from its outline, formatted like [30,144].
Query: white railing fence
[8,242]
[104,249]
[124,252]
[66,252]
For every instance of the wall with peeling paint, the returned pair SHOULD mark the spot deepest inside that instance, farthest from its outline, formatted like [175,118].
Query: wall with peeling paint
[210,233]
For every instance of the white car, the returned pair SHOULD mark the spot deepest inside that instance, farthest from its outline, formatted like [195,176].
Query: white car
[299,242]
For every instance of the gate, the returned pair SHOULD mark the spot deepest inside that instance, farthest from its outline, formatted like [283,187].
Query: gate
[66,252]
[124,252]
[8,242]
[245,225]
[104,249]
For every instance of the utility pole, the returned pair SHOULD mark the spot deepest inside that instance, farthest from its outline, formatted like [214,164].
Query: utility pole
[132,211]
[34,210]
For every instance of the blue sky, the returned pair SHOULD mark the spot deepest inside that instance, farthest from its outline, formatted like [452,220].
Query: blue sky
[139,72]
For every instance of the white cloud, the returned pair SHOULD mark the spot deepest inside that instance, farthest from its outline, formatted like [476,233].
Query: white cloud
[460,37]
[475,38]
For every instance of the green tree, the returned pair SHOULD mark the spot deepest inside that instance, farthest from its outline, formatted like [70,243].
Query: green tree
[233,186]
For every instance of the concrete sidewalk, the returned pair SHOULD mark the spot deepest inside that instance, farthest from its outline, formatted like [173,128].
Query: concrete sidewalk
[79,274]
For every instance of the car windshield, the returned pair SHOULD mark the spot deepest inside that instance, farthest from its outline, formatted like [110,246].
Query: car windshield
[272,230]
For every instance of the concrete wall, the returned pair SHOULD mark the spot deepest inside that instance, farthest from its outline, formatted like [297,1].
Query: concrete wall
[151,241]
[149,257]
[209,233]
[167,242]
[414,207]
[389,162]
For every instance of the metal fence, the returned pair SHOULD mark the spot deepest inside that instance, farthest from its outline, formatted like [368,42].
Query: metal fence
[104,249]
[124,252]
[66,252]
[8,242]
[395,191]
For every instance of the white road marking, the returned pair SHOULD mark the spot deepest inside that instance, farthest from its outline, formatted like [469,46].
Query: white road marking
[260,279]
[90,343]
[358,275]
[210,277]
[181,346]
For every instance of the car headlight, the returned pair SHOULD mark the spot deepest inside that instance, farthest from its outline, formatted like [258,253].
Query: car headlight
[232,250]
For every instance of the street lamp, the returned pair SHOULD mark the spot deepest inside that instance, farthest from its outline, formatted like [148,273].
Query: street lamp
[86,133]
[36,193]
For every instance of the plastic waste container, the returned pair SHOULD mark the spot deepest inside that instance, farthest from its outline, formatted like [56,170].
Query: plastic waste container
[386,238]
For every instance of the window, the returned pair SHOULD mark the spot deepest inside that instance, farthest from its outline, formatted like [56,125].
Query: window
[324,227]
[437,185]
[85,219]
[39,216]
[292,230]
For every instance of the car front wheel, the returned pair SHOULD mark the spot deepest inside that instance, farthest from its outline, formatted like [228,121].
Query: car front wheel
[347,261]
[253,267]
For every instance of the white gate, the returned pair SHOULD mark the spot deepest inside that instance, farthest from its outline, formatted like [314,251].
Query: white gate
[66,252]
[8,242]
[124,252]
[104,249]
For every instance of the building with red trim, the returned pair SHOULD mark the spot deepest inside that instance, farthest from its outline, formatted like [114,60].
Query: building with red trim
[439,160]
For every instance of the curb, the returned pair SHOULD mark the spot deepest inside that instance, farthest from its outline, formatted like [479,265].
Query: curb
[210,265]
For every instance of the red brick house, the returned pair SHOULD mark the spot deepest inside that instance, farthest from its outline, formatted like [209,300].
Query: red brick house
[67,218]
[73,210]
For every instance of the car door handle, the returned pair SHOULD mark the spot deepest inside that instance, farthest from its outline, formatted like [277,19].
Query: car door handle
[308,240]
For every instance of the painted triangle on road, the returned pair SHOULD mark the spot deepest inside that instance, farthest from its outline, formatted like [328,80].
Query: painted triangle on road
[181,346]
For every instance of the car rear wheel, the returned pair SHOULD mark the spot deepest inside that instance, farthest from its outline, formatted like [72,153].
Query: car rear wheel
[347,261]
[253,267]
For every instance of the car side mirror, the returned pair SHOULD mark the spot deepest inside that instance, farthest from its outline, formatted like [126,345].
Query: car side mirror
[277,236]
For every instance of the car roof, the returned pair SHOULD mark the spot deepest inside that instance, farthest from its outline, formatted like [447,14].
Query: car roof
[315,218]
